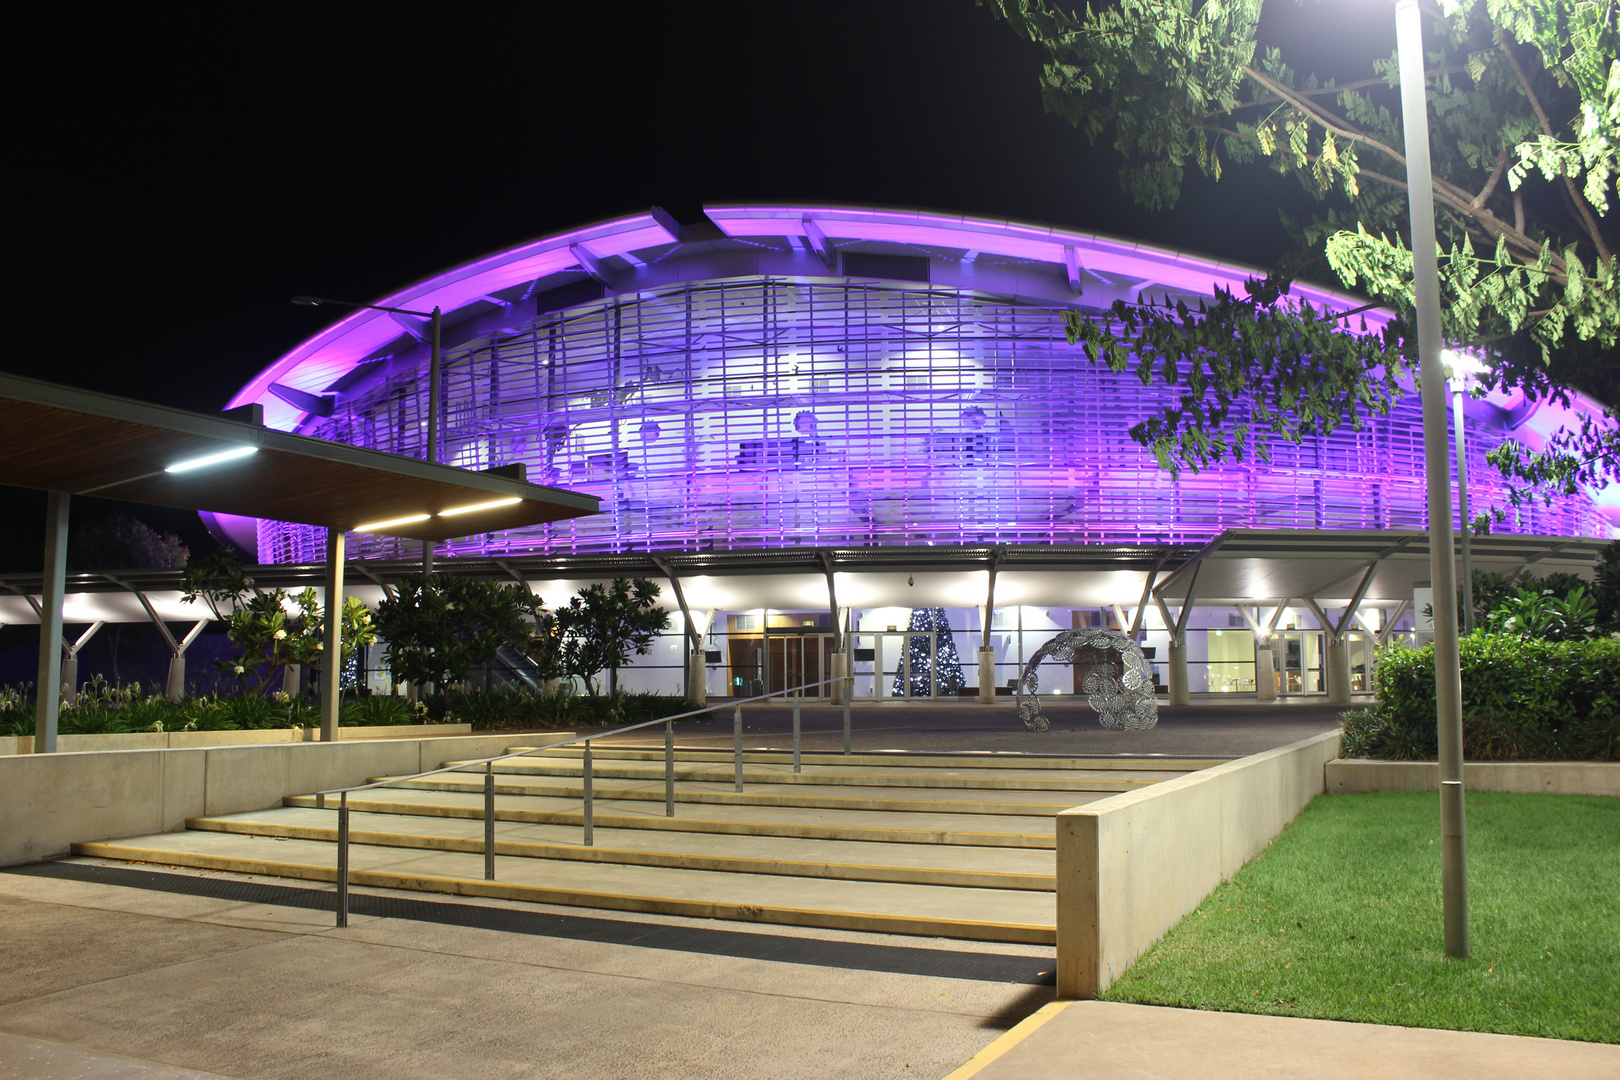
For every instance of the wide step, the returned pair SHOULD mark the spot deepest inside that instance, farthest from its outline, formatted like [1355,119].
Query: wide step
[900,827]
[829,797]
[918,863]
[941,845]
[880,907]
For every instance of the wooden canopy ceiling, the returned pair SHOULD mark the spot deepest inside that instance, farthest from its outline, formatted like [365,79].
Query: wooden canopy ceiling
[84,443]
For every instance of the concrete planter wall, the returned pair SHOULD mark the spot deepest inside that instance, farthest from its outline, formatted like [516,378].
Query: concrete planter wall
[1131,865]
[170,740]
[50,801]
[1353,776]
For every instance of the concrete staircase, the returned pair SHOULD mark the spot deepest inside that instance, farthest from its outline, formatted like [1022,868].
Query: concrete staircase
[939,845]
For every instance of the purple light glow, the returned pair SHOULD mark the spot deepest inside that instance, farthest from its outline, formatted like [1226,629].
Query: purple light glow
[712,411]
[326,357]
[1161,266]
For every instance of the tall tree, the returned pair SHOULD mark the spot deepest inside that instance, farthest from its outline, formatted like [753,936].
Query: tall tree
[1524,97]
[602,624]
[440,626]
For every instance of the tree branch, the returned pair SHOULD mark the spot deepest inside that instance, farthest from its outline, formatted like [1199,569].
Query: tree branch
[1326,119]
[1490,185]
[1584,212]
[1376,80]
[1451,194]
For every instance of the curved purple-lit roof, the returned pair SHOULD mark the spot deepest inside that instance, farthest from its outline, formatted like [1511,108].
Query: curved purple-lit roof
[324,359]
[787,374]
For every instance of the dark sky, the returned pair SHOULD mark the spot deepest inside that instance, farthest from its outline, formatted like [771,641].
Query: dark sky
[182,176]
[183,181]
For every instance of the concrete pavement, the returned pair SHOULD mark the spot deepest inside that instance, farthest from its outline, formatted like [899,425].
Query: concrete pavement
[1105,1040]
[106,981]
[1203,729]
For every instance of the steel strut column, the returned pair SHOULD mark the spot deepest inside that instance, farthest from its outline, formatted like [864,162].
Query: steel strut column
[48,697]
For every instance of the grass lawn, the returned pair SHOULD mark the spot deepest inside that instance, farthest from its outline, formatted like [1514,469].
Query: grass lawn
[1340,919]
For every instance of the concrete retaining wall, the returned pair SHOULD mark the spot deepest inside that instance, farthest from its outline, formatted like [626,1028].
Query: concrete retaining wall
[49,801]
[1353,776]
[1131,865]
[172,740]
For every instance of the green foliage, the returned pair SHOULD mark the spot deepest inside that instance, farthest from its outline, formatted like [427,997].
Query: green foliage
[602,625]
[440,627]
[102,709]
[16,710]
[1493,592]
[1523,699]
[1543,615]
[1340,919]
[1526,91]
[123,543]
[272,628]
[381,710]
[520,708]
[1299,372]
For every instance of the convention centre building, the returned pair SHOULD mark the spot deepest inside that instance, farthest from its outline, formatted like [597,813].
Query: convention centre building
[838,432]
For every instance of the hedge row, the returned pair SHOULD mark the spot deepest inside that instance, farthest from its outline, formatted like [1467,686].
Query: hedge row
[103,710]
[1523,700]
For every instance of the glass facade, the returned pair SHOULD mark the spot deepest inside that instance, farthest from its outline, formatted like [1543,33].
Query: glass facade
[766,413]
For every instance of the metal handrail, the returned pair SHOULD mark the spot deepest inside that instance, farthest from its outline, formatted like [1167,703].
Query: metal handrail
[588,809]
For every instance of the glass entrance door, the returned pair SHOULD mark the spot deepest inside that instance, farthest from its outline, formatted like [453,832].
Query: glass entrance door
[1301,656]
[798,659]
[897,664]
[909,670]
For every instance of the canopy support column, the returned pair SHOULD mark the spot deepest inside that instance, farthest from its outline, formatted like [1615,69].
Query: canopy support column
[332,651]
[695,688]
[48,699]
[987,654]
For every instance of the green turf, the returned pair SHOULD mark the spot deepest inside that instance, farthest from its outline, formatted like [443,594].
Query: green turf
[1340,919]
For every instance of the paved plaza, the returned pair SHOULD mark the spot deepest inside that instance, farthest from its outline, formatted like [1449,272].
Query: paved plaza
[110,970]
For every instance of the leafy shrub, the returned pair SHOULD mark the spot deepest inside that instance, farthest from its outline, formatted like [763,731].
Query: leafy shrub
[524,708]
[16,710]
[380,710]
[1524,699]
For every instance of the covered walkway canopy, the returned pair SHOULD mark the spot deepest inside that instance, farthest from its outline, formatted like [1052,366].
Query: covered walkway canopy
[1340,576]
[75,442]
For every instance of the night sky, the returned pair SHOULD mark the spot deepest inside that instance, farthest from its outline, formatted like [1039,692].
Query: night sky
[180,181]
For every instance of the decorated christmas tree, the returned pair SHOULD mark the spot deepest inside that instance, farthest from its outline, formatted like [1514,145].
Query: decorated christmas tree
[949,664]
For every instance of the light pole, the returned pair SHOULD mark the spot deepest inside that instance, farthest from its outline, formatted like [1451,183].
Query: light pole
[1460,367]
[432,454]
[1437,471]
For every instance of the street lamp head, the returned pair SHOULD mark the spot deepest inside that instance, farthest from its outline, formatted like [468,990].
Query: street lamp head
[1461,366]
[308,301]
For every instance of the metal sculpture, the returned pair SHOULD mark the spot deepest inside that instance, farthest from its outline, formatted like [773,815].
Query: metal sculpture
[1118,681]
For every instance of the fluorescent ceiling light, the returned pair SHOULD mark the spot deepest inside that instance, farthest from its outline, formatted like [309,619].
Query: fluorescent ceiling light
[212,459]
[375,525]
[452,512]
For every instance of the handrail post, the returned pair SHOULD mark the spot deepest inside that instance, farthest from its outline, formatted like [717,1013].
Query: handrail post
[736,745]
[795,732]
[489,821]
[343,862]
[590,810]
[848,690]
[669,767]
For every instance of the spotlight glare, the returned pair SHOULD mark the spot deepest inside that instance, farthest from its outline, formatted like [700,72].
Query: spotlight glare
[211,459]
